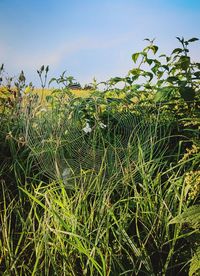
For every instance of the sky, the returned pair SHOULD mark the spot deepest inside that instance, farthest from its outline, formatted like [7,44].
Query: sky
[90,38]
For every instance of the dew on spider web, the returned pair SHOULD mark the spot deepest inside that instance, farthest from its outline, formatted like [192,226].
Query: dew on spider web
[62,147]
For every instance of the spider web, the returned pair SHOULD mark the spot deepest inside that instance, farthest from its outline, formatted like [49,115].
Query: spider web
[61,147]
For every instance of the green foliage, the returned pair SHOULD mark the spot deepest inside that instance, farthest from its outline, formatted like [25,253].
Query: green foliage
[177,76]
[191,216]
[103,185]
[195,263]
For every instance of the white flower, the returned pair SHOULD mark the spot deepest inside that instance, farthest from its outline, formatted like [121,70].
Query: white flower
[102,125]
[87,128]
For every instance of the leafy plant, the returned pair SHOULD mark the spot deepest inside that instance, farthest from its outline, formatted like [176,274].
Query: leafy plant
[191,217]
[106,184]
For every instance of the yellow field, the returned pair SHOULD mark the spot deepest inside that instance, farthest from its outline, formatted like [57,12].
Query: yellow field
[77,93]
[42,93]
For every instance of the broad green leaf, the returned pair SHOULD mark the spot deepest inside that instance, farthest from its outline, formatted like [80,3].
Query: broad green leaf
[144,53]
[166,67]
[136,71]
[135,78]
[160,74]
[128,80]
[115,80]
[187,93]
[164,94]
[155,68]
[197,74]
[148,74]
[193,39]
[149,61]
[163,55]
[154,48]
[135,86]
[135,57]
[177,51]
[172,79]
[198,65]
[148,86]
[52,80]
[184,62]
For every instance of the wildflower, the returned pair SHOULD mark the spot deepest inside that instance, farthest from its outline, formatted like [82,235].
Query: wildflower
[102,125]
[87,128]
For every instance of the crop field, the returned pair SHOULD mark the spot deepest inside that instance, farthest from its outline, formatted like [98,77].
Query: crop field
[103,181]
[43,93]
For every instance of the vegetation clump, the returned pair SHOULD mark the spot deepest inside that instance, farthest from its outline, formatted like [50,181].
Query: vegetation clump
[108,183]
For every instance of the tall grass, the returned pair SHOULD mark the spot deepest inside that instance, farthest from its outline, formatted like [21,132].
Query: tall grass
[121,228]
[102,185]
[110,219]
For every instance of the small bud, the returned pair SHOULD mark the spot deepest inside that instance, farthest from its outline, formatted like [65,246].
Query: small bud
[47,69]
[2,67]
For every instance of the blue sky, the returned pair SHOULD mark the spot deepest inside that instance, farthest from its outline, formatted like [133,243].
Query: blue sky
[90,38]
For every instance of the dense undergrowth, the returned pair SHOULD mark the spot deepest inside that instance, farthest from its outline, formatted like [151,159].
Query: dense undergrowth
[106,184]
